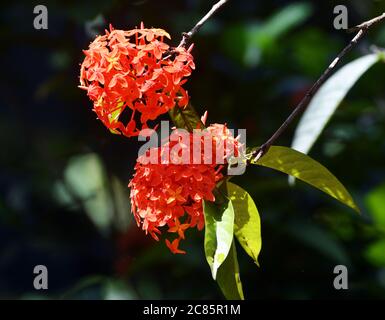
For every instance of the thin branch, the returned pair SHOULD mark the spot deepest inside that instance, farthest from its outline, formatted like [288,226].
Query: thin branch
[188,35]
[368,24]
[362,29]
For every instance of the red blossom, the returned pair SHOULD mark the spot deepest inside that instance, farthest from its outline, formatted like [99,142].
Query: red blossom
[168,192]
[134,70]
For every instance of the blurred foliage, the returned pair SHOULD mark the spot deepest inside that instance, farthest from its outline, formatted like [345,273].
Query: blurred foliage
[254,39]
[63,176]
[327,99]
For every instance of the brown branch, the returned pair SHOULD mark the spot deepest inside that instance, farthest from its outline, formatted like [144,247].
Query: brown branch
[362,30]
[368,24]
[188,35]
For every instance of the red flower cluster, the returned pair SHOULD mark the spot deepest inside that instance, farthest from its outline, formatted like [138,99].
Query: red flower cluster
[135,71]
[167,191]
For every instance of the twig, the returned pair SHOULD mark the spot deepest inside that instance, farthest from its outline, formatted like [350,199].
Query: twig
[368,24]
[363,28]
[188,35]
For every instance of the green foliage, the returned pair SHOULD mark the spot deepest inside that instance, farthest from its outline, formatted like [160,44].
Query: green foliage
[303,167]
[85,176]
[327,99]
[186,118]
[228,276]
[85,183]
[252,40]
[235,214]
[311,50]
[375,253]
[53,116]
[247,225]
[115,116]
[375,202]
[219,228]
[286,19]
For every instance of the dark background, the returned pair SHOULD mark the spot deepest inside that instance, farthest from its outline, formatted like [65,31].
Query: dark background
[63,176]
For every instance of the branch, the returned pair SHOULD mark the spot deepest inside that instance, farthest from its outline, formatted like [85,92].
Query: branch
[362,29]
[368,24]
[188,35]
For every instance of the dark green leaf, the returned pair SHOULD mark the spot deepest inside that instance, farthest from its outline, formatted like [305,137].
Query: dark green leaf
[186,118]
[228,276]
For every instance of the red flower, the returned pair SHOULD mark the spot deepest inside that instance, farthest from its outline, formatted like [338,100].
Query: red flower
[168,191]
[173,246]
[134,70]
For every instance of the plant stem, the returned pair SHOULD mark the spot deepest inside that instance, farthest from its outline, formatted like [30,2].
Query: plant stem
[363,28]
[188,35]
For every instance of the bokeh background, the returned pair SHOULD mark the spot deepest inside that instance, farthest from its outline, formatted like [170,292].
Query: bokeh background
[63,176]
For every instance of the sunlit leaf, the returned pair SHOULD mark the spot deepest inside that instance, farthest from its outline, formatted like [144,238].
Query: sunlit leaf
[327,99]
[302,167]
[247,225]
[228,276]
[219,228]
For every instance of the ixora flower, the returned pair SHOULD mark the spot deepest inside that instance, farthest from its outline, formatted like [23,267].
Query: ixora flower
[133,72]
[168,192]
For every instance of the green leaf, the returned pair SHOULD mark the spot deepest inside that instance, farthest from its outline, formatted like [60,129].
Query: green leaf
[253,39]
[327,99]
[228,276]
[247,225]
[114,116]
[374,253]
[117,289]
[303,167]
[219,228]
[286,19]
[375,202]
[186,118]
[85,183]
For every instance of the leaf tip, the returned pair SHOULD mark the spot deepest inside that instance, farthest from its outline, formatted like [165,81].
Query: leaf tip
[214,273]
[357,209]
